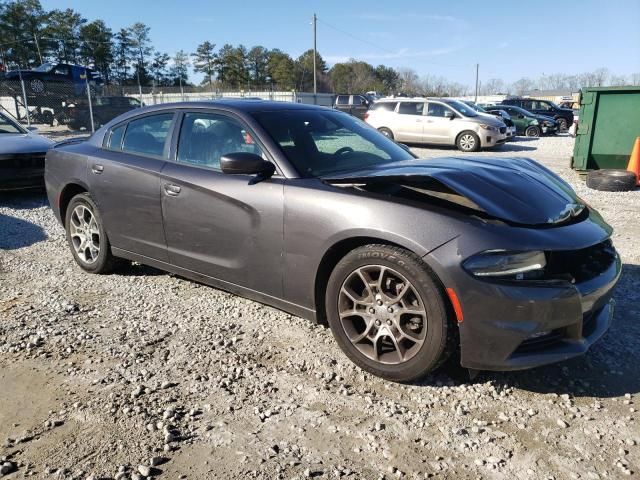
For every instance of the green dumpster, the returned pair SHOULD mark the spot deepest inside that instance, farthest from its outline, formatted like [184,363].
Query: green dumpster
[608,125]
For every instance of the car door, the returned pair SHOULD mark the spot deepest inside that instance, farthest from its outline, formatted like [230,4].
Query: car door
[437,127]
[124,180]
[519,119]
[359,106]
[220,225]
[408,124]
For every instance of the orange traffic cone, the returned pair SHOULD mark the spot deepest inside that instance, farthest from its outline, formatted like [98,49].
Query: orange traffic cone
[634,161]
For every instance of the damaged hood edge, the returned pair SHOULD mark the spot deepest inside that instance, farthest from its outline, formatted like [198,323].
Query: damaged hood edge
[516,190]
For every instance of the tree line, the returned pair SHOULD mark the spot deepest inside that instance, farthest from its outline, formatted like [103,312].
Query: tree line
[30,36]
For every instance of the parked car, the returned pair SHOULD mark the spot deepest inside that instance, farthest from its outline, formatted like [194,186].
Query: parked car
[311,211]
[564,116]
[501,114]
[438,121]
[22,154]
[526,122]
[104,110]
[57,79]
[356,105]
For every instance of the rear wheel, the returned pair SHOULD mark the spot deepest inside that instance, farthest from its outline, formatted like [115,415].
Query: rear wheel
[387,313]
[532,131]
[386,132]
[468,142]
[562,124]
[87,237]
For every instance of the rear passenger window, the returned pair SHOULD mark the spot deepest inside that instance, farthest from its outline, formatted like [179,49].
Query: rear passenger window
[205,137]
[385,106]
[411,108]
[147,135]
[342,100]
[115,140]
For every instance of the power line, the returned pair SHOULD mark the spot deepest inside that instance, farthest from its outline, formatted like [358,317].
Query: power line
[384,49]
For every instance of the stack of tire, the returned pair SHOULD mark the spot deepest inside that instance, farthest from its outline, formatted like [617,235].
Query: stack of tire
[612,180]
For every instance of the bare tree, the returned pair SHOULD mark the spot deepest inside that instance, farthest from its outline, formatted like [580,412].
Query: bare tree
[492,86]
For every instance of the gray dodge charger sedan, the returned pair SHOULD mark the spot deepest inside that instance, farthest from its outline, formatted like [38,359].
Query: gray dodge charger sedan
[318,214]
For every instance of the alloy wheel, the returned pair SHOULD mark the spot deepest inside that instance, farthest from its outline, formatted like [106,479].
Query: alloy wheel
[85,234]
[467,142]
[382,314]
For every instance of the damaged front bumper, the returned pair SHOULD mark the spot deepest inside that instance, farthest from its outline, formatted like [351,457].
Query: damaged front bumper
[514,325]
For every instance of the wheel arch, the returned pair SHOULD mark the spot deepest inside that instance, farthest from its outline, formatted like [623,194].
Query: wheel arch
[330,259]
[66,194]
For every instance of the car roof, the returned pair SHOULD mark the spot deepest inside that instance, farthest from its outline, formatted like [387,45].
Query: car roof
[231,105]
[415,99]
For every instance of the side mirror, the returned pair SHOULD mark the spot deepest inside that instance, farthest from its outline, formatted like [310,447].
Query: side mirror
[449,114]
[246,163]
[32,129]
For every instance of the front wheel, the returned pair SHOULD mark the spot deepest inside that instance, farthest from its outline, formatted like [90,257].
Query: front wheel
[387,313]
[87,237]
[468,142]
[532,131]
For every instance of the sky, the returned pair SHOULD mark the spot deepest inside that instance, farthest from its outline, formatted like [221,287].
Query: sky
[508,39]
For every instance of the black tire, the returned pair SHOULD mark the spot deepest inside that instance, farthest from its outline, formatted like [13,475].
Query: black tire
[533,131]
[563,125]
[47,118]
[438,341]
[468,141]
[386,132]
[104,261]
[611,180]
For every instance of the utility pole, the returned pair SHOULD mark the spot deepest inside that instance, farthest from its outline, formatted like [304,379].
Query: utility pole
[477,69]
[315,87]
[35,38]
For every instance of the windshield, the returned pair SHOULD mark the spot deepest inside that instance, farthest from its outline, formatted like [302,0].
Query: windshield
[45,67]
[9,126]
[462,108]
[318,143]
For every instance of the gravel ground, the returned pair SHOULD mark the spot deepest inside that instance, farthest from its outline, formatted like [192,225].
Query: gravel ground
[141,373]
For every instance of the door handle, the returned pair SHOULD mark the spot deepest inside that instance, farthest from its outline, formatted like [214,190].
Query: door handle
[97,169]
[171,190]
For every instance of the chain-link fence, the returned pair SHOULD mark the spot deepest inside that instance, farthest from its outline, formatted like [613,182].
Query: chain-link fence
[82,104]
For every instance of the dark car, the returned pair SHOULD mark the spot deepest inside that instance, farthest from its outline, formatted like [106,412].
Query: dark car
[564,116]
[356,105]
[57,79]
[104,109]
[527,123]
[314,212]
[21,156]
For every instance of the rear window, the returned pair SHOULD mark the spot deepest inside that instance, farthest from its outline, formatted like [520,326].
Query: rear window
[385,106]
[147,135]
[342,100]
[115,140]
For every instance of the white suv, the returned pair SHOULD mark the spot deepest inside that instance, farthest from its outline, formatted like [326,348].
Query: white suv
[438,121]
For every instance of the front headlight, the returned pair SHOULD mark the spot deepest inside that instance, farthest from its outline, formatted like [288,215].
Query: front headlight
[488,127]
[507,265]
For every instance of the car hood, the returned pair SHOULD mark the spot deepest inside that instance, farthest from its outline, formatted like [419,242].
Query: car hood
[546,118]
[11,143]
[516,190]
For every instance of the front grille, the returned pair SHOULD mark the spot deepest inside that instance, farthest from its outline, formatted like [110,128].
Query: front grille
[581,265]
[22,160]
[503,129]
